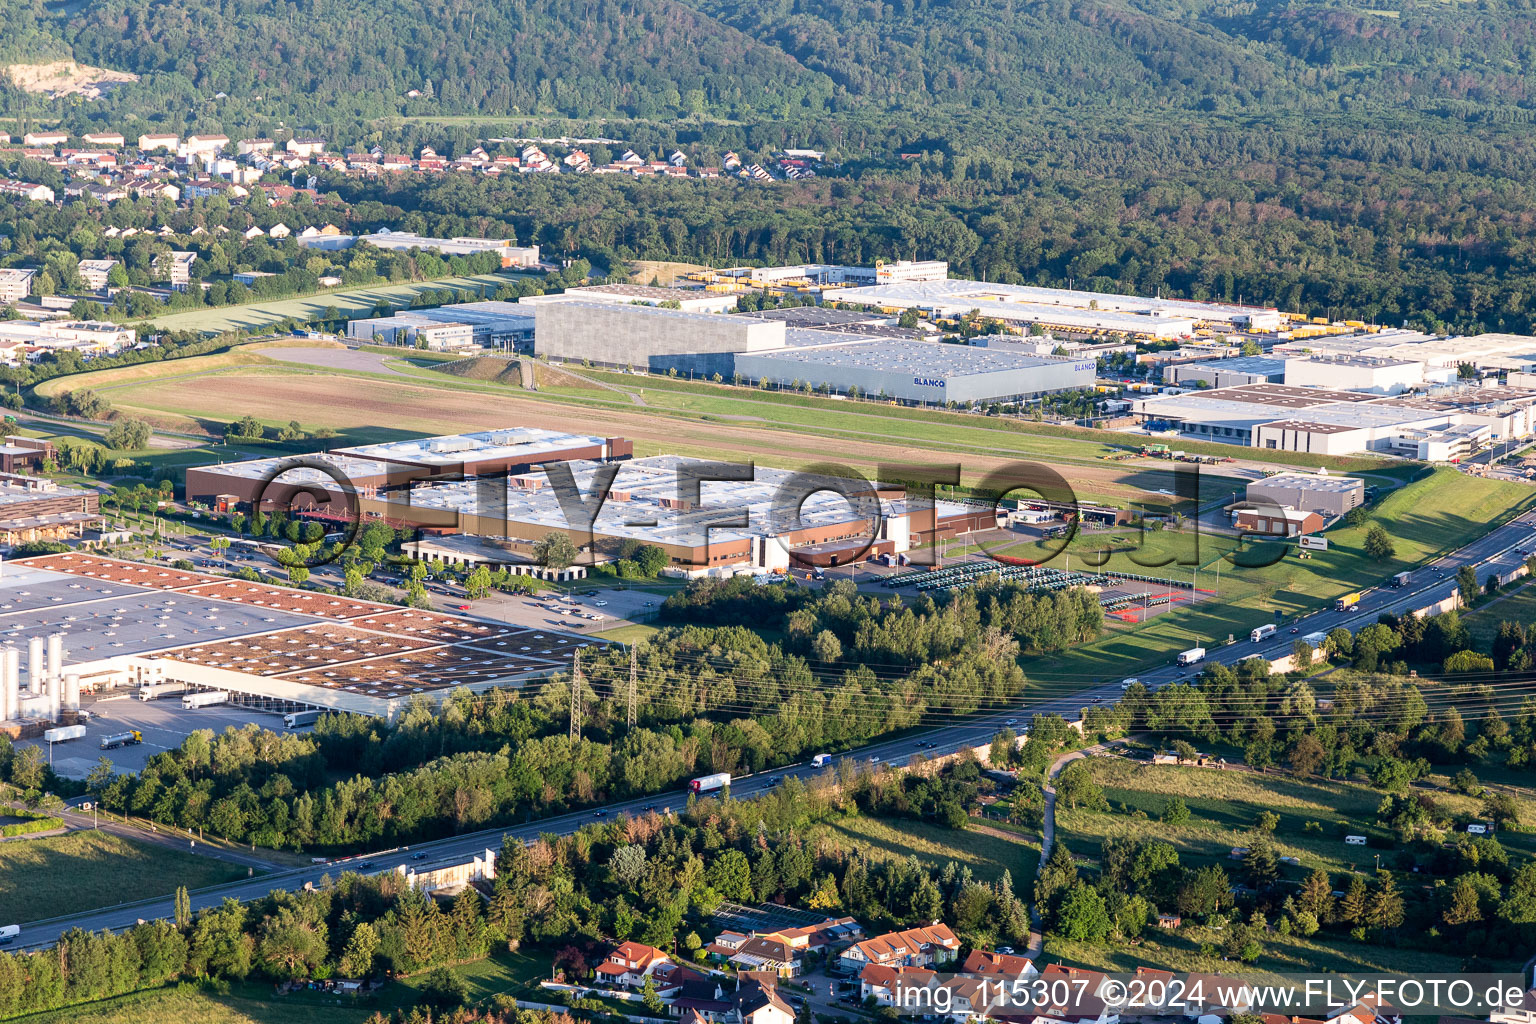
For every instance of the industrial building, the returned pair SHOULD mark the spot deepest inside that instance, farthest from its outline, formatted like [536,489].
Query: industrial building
[1489,353]
[116,625]
[1226,373]
[760,524]
[1330,496]
[375,468]
[413,330]
[615,334]
[1440,425]
[1283,522]
[1380,375]
[923,372]
[35,508]
[88,337]
[512,255]
[1068,309]
[690,300]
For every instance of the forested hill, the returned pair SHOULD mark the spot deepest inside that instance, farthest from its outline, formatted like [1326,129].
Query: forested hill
[319,60]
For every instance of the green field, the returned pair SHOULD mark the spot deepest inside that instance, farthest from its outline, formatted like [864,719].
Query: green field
[192,1004]
[986,855]
[1224,805]
[350,301]
[44,878]
[1516,605]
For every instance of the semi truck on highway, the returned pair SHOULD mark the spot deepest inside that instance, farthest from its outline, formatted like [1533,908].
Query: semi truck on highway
[820,760]
[64,732]
[154,691]
[203,700]
[1401,579]
[1263,632]
[296,719]
[8,934]
[122,739]
[710,783]
[1192,656]
[1349,602]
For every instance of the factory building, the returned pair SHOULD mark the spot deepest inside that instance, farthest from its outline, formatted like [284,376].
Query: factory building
[1489,353]
[413,330]
[376,468]
[920,372]
[34,508]
[1330,496]
[689,300]
[760,524]
[277,649]
[1226,373]
[1380,375]
[614,334]
[950,297]
[1444,423]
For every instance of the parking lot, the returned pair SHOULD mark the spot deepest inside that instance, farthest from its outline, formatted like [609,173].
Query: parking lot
[163,724]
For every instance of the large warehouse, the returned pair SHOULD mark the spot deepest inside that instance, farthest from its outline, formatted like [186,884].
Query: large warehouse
[757,524]
[914,371]
[1328,422]
[374,468]
[1309,492]
[122,624]
[620,334]
[1064,308]
[1225,373]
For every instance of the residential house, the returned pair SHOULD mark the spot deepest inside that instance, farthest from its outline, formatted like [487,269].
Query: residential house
[730,161]
[916,947]
[983,963]
[677,159]
[767,953]
[197,145]
[578,160]
[630,964]
[253,147]
[305,147]
[45,138]
[178,267]
[16,283]
[150,142]
[280,230]
[885,983]
[252,232]
[103,138]
[26,190]
[96,272]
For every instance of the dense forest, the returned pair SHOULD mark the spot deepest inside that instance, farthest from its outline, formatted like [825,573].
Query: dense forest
[791,58]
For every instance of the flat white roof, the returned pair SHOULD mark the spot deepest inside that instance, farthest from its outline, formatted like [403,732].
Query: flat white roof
[950,291]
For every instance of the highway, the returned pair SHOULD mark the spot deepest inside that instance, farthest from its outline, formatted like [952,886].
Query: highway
[1495,552]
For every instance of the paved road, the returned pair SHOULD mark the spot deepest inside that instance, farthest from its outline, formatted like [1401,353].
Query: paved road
[1494,552]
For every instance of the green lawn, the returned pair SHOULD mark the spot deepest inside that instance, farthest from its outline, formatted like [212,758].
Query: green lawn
[350,301]
[896,838]
[192,1004]
[44,878]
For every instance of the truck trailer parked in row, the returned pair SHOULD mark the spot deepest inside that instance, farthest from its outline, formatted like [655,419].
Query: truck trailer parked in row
[297,719]
[154,691]
[64,732]
[204,699]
